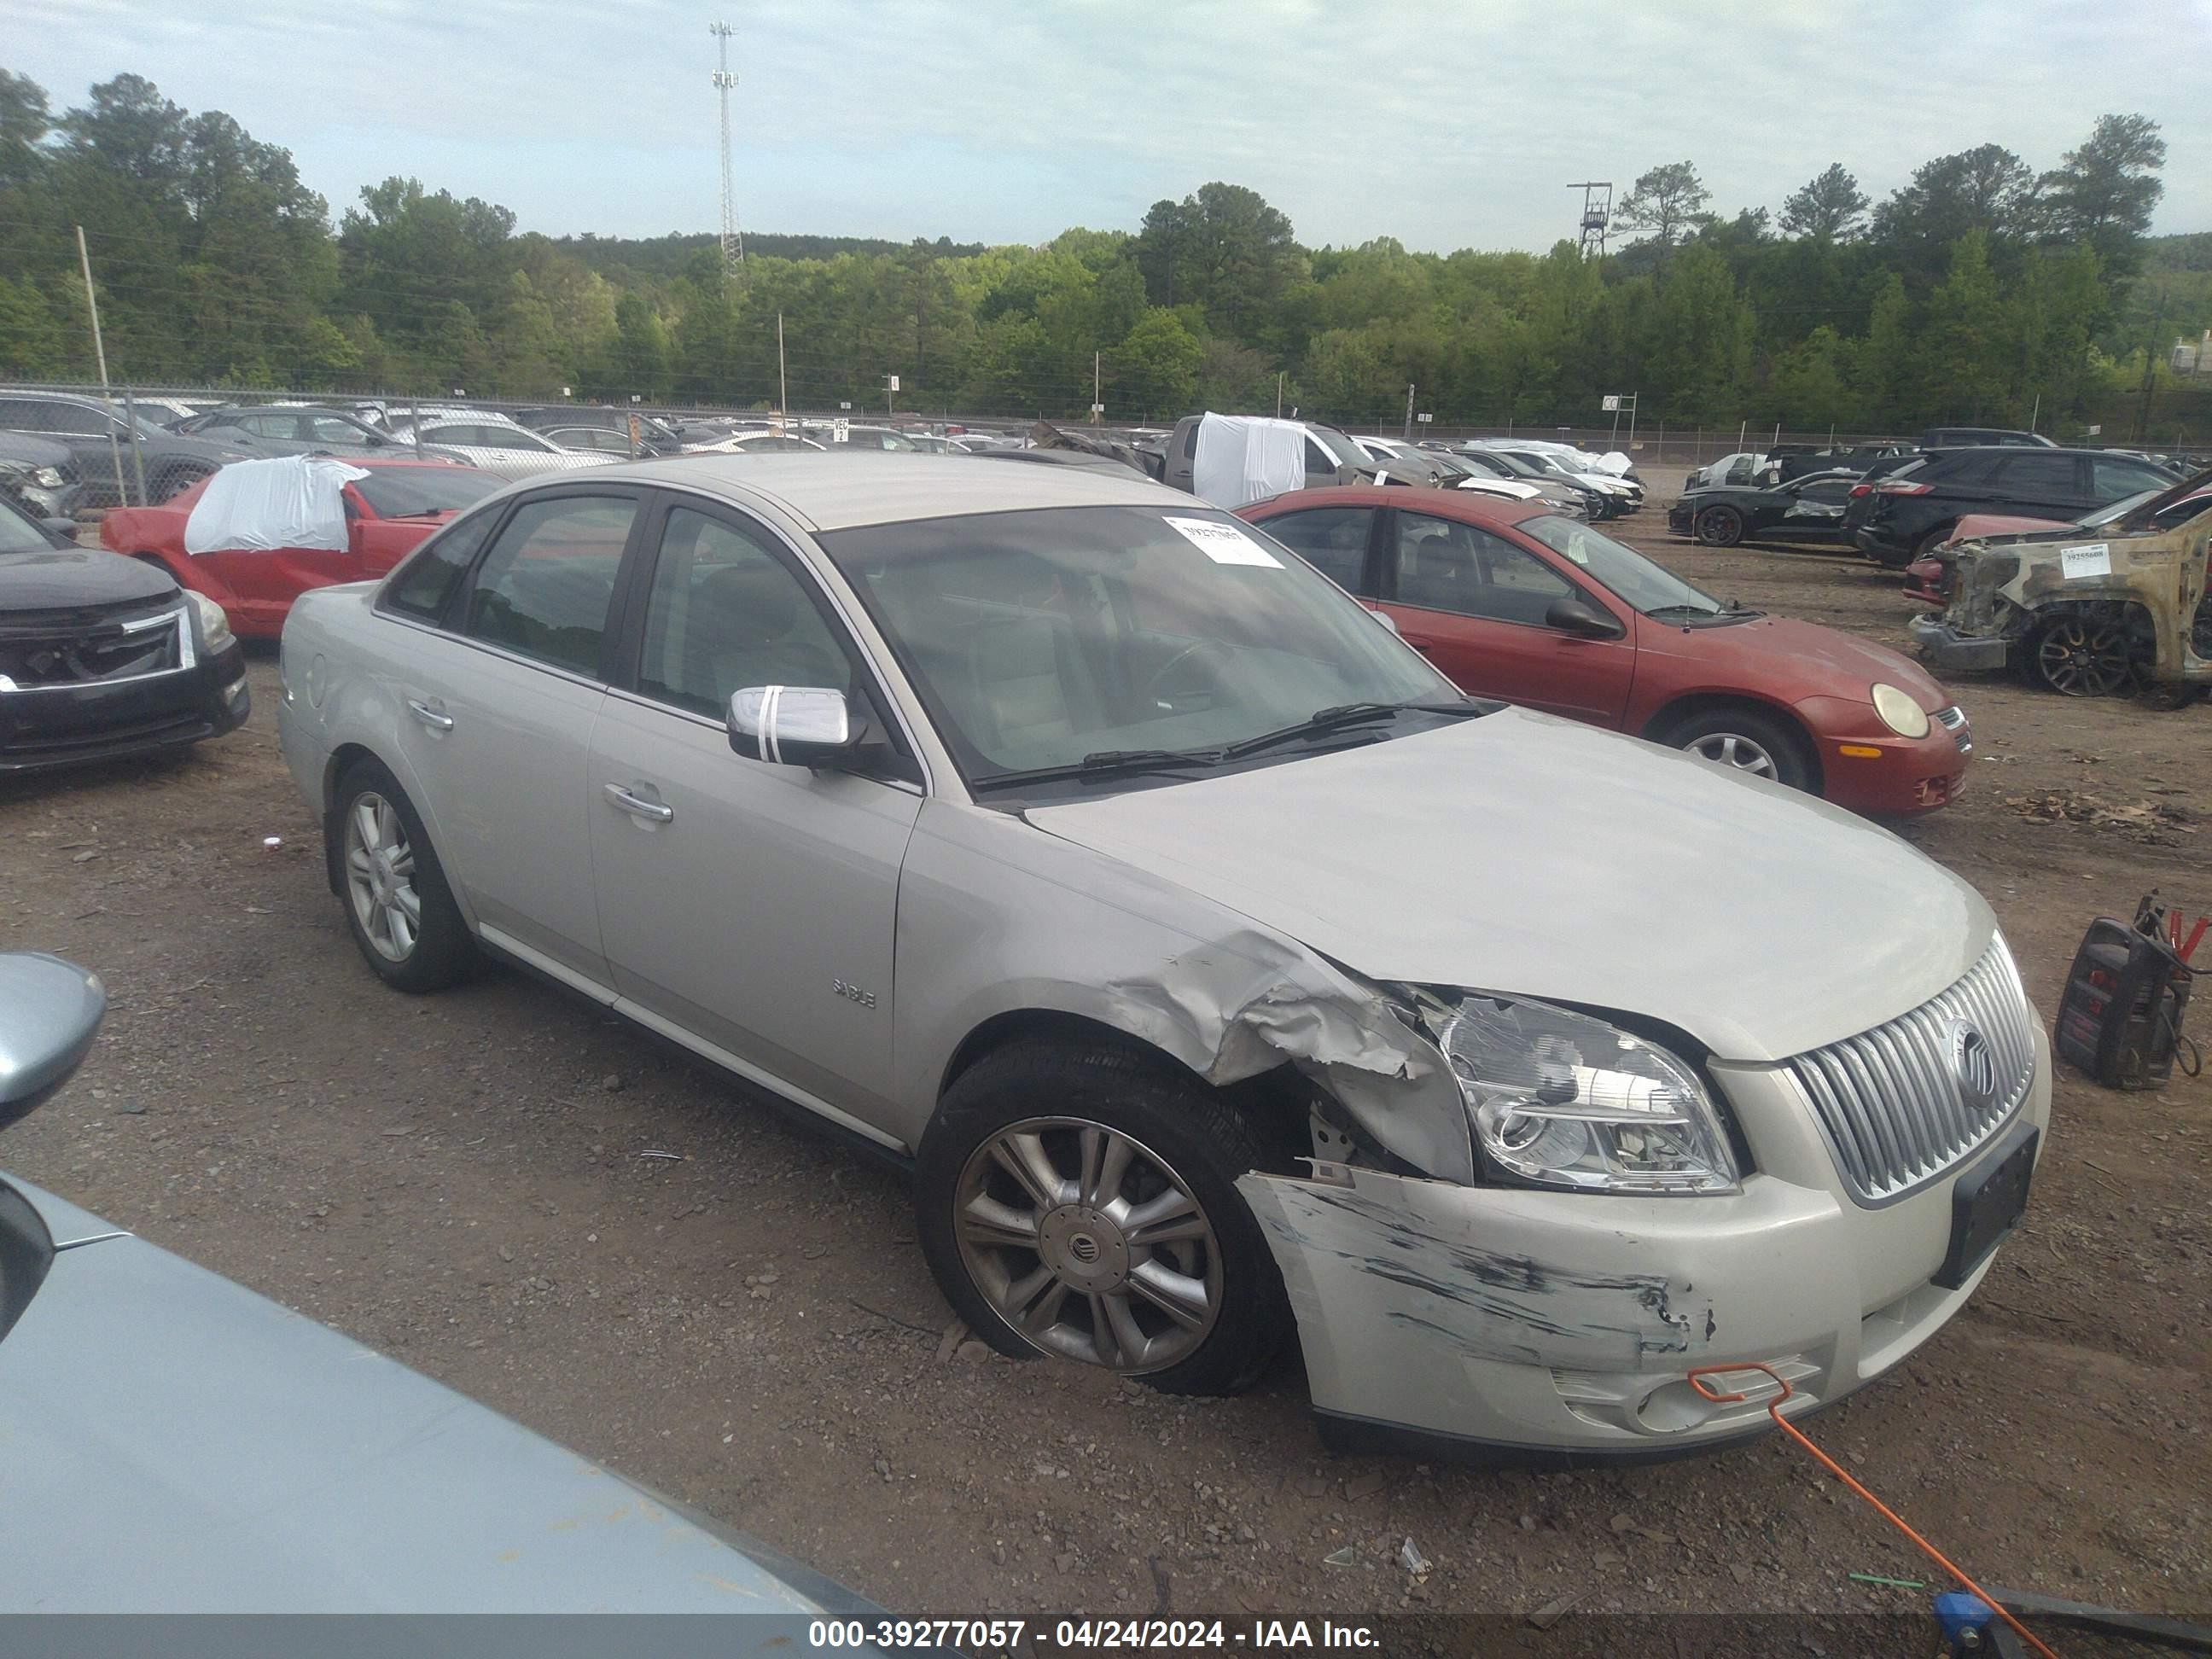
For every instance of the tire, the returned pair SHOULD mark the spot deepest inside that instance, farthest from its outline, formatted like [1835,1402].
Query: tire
[428,947]
[2082,655]
[1747,740]
[1069,1102]
[1718,526]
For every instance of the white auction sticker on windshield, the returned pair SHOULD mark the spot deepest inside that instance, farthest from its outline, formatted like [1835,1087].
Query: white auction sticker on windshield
[1223,544]
[2095,560]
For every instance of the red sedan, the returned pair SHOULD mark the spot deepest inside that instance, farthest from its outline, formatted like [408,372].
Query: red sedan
[1514,602]
[388,514]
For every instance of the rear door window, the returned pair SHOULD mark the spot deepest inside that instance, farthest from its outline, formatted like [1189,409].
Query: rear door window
[2044,475]
[545,587]
[1332,539]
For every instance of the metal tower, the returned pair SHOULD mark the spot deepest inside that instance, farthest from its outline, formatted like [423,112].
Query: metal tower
[1597,212]
[733,245]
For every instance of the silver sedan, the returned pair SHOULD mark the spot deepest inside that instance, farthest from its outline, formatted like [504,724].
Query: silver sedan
[1224,972]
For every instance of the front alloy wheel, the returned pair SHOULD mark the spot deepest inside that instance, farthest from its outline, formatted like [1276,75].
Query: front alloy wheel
[1077,1198]
[1089,1244]
[2079,658]
[1720,527]
[1735,750]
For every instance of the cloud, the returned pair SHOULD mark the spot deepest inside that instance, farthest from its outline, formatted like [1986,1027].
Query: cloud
[1445,125]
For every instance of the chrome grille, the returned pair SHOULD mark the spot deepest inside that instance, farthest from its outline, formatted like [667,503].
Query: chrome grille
[1953,720]
[1901,1104]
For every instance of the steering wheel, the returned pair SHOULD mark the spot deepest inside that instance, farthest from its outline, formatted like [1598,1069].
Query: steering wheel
[1166,670]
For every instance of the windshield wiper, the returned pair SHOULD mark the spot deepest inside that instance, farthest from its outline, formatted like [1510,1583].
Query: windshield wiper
[1109,763]
[1685,611]
[1338,715]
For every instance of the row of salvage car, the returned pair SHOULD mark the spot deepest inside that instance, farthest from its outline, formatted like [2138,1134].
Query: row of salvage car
[2082,569]
[1177,890]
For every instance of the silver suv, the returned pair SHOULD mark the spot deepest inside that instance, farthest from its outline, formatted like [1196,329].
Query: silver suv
[1223,971]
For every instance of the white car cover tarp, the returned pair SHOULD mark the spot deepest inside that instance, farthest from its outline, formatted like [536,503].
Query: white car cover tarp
[1247,458]
[293,500]
[1613,461]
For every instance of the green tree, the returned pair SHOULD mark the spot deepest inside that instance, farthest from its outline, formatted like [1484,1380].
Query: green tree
[31,343]
[2104,192]
[1668,202]
[1156,368]
[1829,207]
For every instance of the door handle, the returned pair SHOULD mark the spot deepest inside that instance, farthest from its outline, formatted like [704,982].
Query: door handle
[430,714]
[638,806]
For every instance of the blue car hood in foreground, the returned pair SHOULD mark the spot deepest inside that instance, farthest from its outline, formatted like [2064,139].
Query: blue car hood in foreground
[171,1442]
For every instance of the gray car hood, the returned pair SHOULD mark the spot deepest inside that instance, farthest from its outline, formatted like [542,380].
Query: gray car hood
[1523,853]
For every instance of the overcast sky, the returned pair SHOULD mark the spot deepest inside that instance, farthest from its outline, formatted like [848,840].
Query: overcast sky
[1450,124]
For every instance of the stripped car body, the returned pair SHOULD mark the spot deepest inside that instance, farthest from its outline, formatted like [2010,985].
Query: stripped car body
[2125,603]
[1320,937]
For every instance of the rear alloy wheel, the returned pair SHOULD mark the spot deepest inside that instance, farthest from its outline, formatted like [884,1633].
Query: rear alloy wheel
[1081,1202]
[2080,657]
[1746,740]
[1719,526]
[397,906]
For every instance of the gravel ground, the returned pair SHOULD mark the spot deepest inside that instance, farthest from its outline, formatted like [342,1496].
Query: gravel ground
[463,1181]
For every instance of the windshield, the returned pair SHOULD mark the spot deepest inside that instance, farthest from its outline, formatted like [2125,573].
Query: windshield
[1650,587]
[2160,511]
[1038,639]
[1515,465]
[1345,451]
[19,535]
[407,492]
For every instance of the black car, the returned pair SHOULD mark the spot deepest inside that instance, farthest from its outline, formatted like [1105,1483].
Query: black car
[102,656]
[39,476]
[1807,509]
[105,444]
[1911,511]
[1982,437]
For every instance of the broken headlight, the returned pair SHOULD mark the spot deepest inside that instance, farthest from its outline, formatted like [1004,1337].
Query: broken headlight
[1559,1099]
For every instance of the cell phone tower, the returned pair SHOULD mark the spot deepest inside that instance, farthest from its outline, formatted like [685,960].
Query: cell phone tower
[733,244]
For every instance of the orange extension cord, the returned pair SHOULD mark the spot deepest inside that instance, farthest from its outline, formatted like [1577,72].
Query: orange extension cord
[1774,1411]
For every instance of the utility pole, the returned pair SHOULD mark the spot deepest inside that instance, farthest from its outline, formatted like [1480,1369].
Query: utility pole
[733,245]
[1409,411]
[782,386]
[100,355]
[1278,393]
[1097,407]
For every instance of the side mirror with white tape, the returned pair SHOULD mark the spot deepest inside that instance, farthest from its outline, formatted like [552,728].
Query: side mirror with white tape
[793,725]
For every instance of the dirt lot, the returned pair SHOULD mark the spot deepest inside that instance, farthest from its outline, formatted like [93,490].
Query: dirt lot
[748,1326]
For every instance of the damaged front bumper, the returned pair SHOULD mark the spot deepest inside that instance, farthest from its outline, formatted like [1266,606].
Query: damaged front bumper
[1508,1325]
[1947,647]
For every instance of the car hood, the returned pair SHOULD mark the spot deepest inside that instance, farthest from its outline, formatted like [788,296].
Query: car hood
[1976,526]
[1518,853]
[65,578]
[174,1444]
[1792,659]
[32,451]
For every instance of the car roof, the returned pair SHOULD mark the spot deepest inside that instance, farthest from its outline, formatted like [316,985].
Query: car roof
[1472,506]
[884,486]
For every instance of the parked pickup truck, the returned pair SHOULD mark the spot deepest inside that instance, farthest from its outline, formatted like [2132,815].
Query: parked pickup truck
[1332,458]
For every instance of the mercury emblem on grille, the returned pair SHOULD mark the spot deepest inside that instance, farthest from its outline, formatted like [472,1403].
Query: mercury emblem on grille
[1974,1067]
